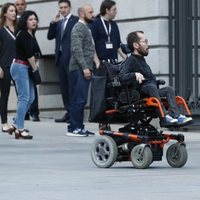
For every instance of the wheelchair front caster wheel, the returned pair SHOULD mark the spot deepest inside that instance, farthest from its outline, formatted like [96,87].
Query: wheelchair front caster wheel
[104,152]
[177,155]
[141,156]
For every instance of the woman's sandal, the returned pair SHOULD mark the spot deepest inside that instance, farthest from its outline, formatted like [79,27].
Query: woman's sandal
[9,130]
[23,134]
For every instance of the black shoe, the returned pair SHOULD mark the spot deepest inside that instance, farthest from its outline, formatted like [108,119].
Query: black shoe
[23,134]
[35,118]
[65,118]
[27,117]
[77,133]
[88,133]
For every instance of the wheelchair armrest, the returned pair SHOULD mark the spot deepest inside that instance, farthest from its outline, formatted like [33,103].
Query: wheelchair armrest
[160,82]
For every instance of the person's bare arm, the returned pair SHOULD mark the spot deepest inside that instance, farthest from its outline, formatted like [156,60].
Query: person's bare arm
[1,73]
[96,60]
[32,63]
[123,56]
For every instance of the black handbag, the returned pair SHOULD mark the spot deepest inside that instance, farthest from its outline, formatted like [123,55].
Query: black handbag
[35,76]
[98,99]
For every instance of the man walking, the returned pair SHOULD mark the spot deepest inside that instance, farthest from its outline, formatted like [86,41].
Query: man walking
[60,30]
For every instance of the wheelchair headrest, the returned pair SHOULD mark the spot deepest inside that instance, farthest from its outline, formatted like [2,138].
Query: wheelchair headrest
[125,49]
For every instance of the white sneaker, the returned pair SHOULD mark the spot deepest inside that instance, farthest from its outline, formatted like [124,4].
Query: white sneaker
[77,133]
[171,119]
[183,119]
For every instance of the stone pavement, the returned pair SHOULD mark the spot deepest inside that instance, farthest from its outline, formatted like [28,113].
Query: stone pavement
[53,166]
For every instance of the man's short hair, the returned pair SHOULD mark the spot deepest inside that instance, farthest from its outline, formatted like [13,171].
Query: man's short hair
[106,4]
[65,1]
[133,38]
[16,1]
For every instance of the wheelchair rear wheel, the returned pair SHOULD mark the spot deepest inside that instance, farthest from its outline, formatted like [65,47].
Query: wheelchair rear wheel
[141,156]
[177,155]
[104,152]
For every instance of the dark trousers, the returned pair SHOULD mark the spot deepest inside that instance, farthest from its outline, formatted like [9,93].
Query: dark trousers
[5,84]
[33,110]
[64,82]
[168,92]
[79,92]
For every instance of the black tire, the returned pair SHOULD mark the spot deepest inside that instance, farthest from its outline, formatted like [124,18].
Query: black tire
[104,152]
[141,156]
[177,155]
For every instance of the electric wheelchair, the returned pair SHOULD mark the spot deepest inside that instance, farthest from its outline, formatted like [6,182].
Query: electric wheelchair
[138,140]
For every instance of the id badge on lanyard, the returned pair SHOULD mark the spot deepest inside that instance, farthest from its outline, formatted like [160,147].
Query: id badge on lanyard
[109,44]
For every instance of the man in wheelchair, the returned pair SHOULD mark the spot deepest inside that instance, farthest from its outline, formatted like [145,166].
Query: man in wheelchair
[136,68]
[129,90]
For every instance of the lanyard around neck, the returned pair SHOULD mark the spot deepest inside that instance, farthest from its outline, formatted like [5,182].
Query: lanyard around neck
[108,31]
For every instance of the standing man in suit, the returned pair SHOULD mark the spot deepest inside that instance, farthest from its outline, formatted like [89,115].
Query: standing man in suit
[33,111]
[60,30]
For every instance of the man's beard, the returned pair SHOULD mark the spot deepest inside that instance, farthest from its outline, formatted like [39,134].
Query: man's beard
[143,52]
[89,20]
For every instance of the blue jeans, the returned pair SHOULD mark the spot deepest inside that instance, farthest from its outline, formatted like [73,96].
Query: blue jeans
[78,98]
[25,91]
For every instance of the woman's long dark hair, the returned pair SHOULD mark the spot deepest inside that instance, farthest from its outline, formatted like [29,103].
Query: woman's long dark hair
[4,10]
[22,23]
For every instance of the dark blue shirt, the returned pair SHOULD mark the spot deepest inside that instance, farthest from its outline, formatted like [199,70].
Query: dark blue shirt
[100,38]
